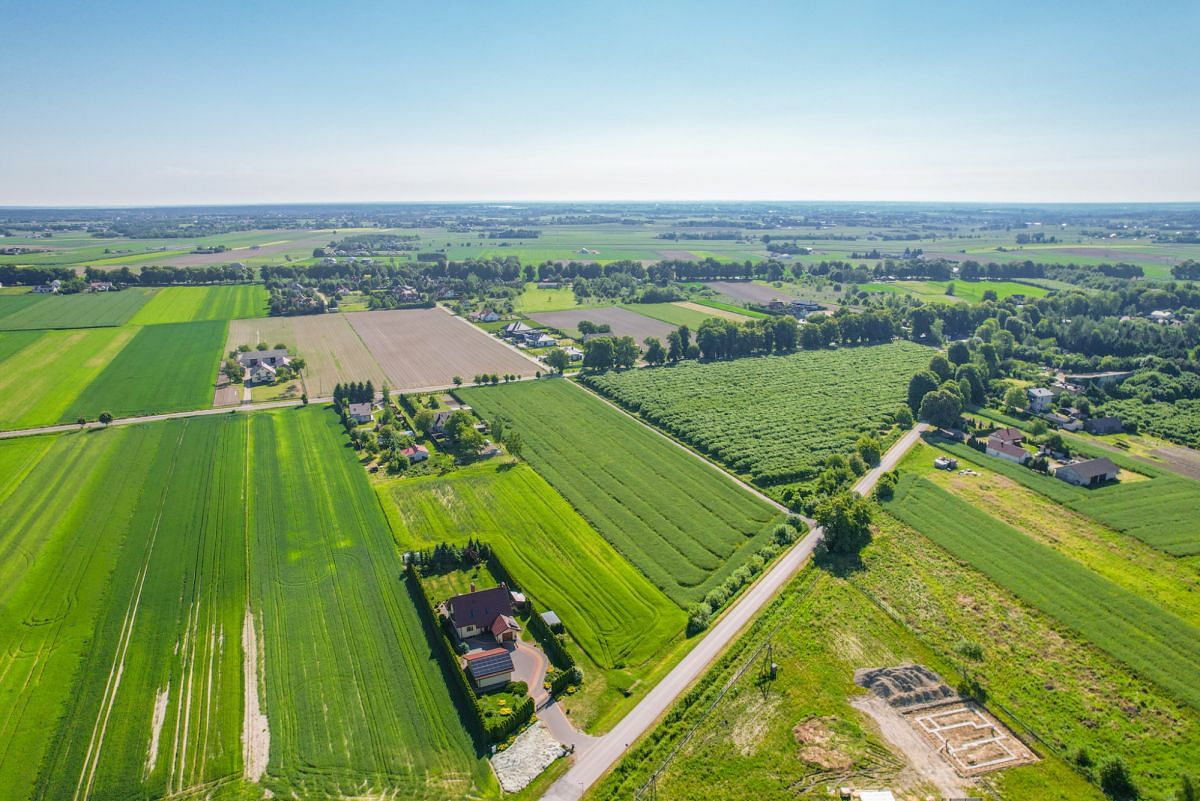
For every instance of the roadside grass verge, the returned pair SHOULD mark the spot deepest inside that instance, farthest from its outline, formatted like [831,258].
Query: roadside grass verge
[680,522]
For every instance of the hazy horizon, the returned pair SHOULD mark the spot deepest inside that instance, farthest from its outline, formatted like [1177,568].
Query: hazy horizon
[229,104]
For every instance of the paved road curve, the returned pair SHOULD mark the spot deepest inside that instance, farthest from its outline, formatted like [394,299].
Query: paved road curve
[604,752]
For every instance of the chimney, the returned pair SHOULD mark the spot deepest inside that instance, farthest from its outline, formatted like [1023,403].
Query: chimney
[472,586]
[504,584]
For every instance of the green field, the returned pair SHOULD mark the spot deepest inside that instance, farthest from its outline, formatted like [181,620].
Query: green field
[971,291]
[84,310]
[772,417]
[533,299]
[1151,640]
[747,747]
[1177,421]
[186,304]
[143,563]
[164,368]
[551,551]
[670,313]
[1160,512]
[43,372]
[676,519]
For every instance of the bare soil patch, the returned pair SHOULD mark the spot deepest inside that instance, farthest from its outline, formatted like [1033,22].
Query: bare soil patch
[749,291]
[623,322]
[256,733]
[424,348]
[681,255]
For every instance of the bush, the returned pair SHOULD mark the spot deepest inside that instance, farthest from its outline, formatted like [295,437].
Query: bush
[970,650]
[1116,782]
[699,616]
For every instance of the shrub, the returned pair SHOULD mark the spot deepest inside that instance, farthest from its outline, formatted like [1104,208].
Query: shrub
[699,616]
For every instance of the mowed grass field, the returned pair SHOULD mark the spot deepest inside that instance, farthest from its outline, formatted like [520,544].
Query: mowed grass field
[163,368]
[772,418]
[1150,639]
[971,291]
[42,373]
[84,310]
[333,352]
[423,348]
[675,314]
[1160,512]
[554,555]
[676,519]
[187,304]
[142,564]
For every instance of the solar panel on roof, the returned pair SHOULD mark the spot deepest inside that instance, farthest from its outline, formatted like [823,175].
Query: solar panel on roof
[491,665]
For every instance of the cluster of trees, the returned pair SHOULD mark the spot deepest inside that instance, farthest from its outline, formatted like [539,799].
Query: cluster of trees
[445,557]
[354,392]
[295,299]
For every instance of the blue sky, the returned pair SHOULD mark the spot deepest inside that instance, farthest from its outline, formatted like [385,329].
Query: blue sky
[128,103]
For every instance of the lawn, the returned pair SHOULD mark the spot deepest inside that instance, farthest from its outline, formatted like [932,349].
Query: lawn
[747,747]
[533,299]
[551,552]
[43,372]
[1160,512]
[356,701]
[84,310]
[1152,641]
[186,304]
[772,418]
[676,519]
[164,368]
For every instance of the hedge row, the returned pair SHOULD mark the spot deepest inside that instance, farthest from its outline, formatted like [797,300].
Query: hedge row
[481,730]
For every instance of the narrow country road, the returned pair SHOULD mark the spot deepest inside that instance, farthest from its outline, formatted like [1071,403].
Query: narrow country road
[601,754]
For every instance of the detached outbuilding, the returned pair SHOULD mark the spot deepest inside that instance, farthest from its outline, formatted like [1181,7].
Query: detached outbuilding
[1091,473]
[489,669]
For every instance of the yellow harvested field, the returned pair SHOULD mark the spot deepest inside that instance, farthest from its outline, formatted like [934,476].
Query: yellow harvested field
[330,347]
[712,311]
[423,348]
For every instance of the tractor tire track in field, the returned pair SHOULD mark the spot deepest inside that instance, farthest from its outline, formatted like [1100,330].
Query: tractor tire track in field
[91,761]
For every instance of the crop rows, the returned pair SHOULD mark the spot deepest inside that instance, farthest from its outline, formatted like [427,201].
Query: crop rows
[1178,421]
[676,519]
[71,311]
[164,368]
[186,304]
[555,556]
[1147,638]
[357,704]
[773,418]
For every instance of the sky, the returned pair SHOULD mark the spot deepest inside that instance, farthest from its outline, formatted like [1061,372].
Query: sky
[131,103]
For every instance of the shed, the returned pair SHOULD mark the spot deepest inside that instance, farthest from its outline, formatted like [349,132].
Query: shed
[552,620]
[491,668]
[1090,473]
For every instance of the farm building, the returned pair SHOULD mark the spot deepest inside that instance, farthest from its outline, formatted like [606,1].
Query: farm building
[491,668]
[540,341]
[1062,421]
[360,412]
[415,453]
[1004,449]
[1103,425]
[485,316]
[274,357]
[48,289]
[1091,473]
[1013,436]
[1040,398]
[100,286]
[517,329]
[477,611]
[506,629]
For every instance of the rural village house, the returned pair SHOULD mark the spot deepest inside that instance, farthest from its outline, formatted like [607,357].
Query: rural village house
[415,453]
[1005,443]
[479,611]
[1040,398]
[360,412]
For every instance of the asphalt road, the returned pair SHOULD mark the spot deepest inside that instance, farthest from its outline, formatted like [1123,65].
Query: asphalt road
[601,754]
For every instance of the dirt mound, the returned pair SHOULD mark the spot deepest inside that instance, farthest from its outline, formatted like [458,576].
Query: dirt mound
[905,685]
[819,744]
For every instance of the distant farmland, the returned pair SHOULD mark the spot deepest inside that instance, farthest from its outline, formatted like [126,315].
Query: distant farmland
[623,321]
[421,348]
[676,519]
[207,540]
[186,304]
[85,310]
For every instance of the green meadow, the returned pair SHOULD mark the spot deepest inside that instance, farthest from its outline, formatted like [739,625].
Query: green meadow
[186,304]
[84,310]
